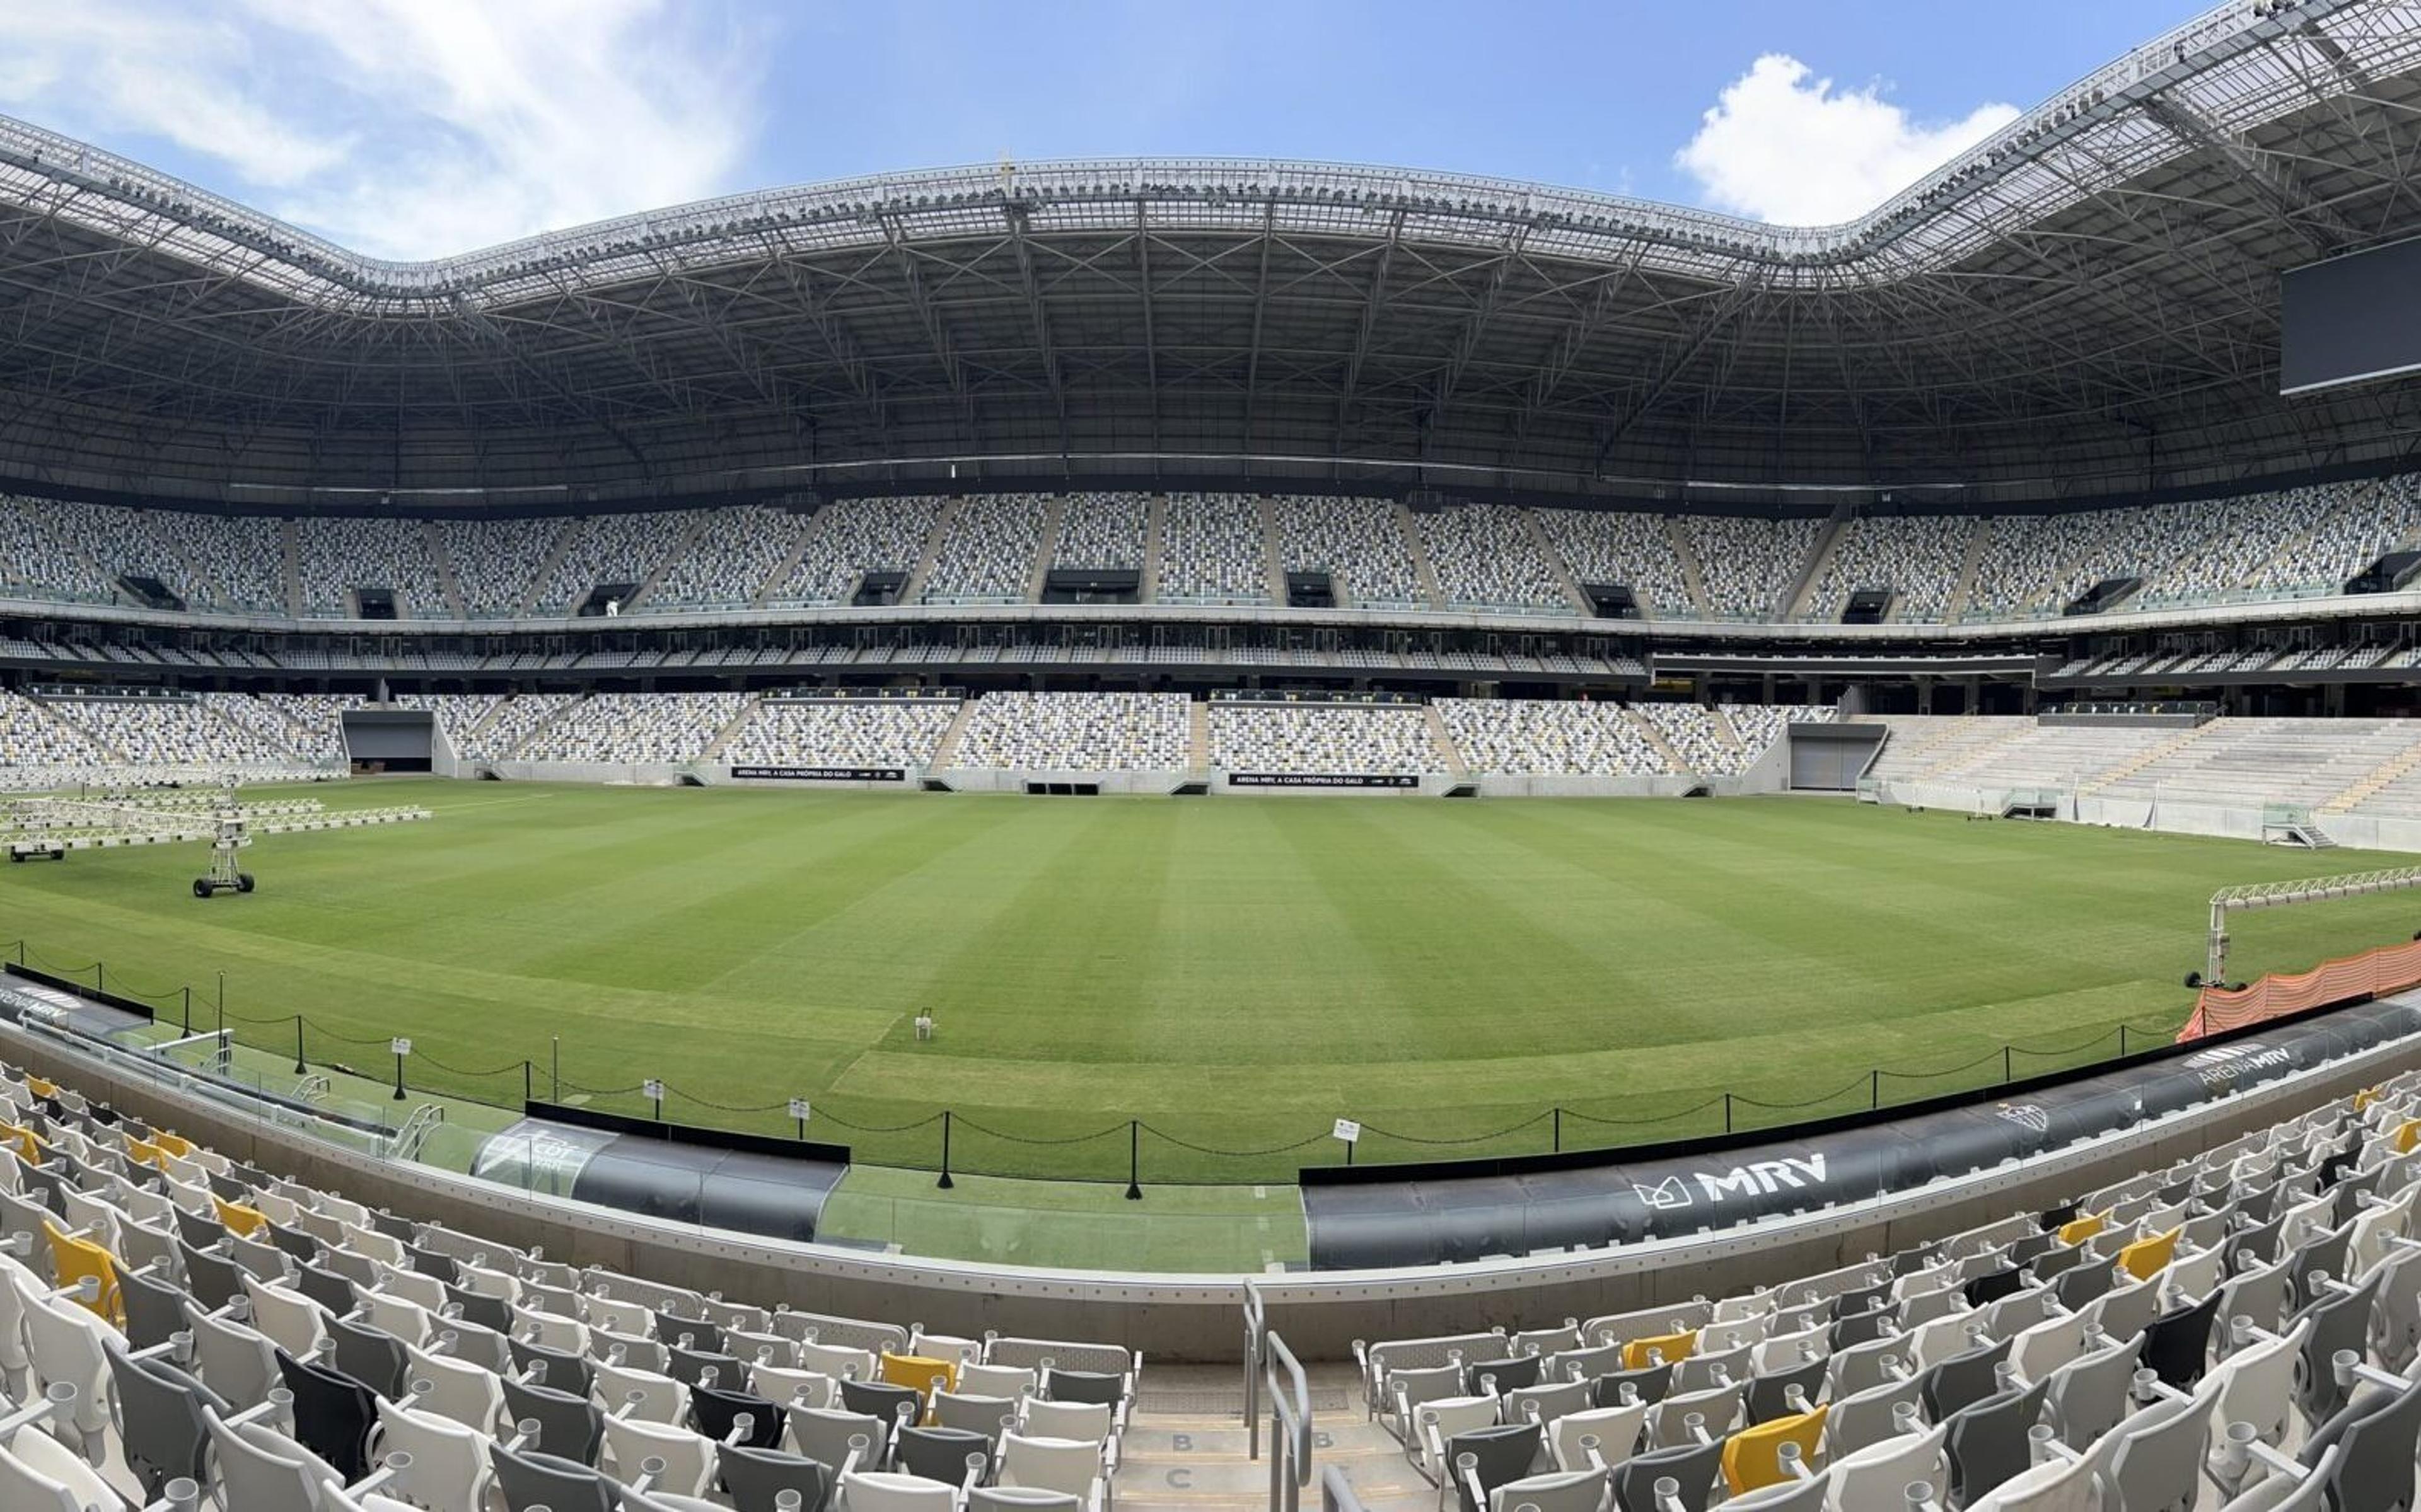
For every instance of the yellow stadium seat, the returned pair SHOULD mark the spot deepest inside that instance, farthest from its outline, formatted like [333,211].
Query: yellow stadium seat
[27,1143]
[2148,1257]
[2082,1227]
[176,1145]
[42,1088]
[246,1220]
[75,1260]
[1752,1457]
[2363,1098]
[2408,1133]
[917,1371]
[142,1152]
[1673,1346]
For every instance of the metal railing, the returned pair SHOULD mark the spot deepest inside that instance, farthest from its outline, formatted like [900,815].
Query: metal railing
[1289,1401]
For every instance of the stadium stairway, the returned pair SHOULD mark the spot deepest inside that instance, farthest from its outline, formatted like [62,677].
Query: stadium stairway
[1186,1447]
[1979,536]
[945,750]
[1555,560]
[1443,740]
[1155,531]
[1726,731]
[433,541]
[290,563]
[535,730]
[913,591]
[732,728]
[700,520]
[2142,760]
[1198,736]
[304,733]
[2375,779]
[1646,727]
[1680,541]
[527,603]
[1424,571]
[76,726]
[781,574]
[1273,549]
[1046,549]
[465,740]
[1794,602]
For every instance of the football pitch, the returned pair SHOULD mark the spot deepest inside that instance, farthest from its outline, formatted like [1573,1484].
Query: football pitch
[1198,986]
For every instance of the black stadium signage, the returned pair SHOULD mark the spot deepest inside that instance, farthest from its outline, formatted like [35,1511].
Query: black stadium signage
[823,774]
[1323,779]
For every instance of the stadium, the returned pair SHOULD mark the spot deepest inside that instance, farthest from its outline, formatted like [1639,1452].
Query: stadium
[1565,854]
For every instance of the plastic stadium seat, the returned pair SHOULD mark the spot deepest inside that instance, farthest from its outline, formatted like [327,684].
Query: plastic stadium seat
[1749,1456]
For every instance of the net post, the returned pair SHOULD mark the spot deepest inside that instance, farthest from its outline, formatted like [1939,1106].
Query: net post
[945,1184]
[299,1066]
[1135,1160]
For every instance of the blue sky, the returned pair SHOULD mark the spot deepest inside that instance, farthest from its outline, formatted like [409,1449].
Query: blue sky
[412,128]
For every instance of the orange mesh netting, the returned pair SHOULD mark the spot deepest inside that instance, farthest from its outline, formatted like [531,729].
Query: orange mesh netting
[2351,979]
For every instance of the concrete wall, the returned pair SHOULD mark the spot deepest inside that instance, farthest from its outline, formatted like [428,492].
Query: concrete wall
[1191,1317]
[2222,821]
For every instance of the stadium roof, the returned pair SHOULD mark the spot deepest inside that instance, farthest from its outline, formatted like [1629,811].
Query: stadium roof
[2085,303]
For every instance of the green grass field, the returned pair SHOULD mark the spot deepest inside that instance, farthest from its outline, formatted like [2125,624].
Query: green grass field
[1232,973]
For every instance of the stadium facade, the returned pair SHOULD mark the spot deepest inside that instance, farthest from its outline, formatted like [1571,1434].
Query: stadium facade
[1610,444]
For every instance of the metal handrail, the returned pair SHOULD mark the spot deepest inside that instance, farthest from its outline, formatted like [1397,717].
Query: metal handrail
[1289,1401]
[1337,1493]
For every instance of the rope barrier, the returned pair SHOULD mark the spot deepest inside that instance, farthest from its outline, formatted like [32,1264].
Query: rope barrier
[1871,1081]
[964,1122]
[1745,1101]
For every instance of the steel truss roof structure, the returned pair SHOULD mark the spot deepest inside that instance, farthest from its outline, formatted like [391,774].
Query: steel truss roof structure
[2085,303]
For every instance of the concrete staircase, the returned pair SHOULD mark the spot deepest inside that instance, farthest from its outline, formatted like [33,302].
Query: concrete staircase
[1154,527]
[1055,520]
[1443,740]
[1198,736]
[780,577]
[1424,571]
[76,727]
[1726,731]
[1655,738]
[1980,535]
[1689,559]
[945,751]
[1794,603]
[434,540]
[537,584]
[1555,560]
[1273,550]
[2372,781]
[536,730]
[1186,1444]
[289,552]
[463,739]
[2148,757]
[730,731]
[913,591]
[700,522]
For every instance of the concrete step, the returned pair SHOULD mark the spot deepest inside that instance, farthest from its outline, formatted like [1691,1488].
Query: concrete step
[1229,1438]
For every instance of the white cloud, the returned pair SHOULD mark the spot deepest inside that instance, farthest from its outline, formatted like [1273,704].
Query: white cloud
[404,128]
[1784,146]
